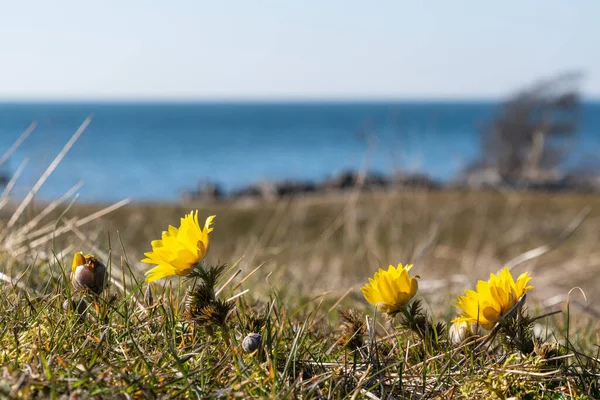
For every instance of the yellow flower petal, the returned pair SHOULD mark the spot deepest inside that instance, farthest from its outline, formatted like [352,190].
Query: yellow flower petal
[391,290]
[78,260]
[179,249]
[492,299]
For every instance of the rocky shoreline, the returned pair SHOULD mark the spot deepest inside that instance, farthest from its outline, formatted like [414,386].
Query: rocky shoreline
[348,180]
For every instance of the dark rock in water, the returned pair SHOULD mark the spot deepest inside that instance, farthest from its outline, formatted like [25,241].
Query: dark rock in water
[270,191]
[290,188]
[275,190]
[4,178]
[248,191]
[263,190]
[419,181]
[345,180]
[350,179]
[206,191]
[373,180]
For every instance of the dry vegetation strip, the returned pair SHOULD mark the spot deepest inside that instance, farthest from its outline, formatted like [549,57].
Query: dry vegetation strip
[333,243]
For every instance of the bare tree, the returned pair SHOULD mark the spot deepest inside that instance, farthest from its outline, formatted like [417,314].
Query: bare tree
[528,140]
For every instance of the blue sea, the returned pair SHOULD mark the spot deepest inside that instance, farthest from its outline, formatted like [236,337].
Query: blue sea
[151,151]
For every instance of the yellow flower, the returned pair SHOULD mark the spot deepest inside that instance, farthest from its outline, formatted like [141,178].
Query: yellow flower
[88,273]
[391,290]
[492,299]
[179,249]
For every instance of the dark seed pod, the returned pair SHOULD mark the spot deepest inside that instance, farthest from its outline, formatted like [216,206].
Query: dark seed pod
[251,342]
[352,328]
[78,305]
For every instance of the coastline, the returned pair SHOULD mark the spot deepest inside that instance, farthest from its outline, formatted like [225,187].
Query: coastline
[351,181]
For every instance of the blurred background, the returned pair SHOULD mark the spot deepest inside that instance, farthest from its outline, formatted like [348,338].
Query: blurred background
[457,134]
[189,97]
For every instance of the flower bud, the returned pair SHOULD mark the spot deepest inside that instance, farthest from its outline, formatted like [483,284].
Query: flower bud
[88,273]
[251,342]
[462,330]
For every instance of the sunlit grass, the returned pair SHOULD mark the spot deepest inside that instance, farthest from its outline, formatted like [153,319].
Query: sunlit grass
[117,347]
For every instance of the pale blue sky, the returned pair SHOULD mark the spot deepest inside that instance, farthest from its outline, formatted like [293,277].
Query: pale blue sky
[143,49]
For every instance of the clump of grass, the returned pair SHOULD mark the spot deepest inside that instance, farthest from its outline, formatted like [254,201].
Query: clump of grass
[118,349]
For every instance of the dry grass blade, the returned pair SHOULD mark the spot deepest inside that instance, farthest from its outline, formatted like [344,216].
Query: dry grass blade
[231,278]
[47,210]
[11,183]
[72,222]
[47,173]
[104,211]
[238,295]
[528,373]
[538,251]
[18,142]
[47,228]
[369,394]
[360,382]
[240,283]
[333,307]
[15,283]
